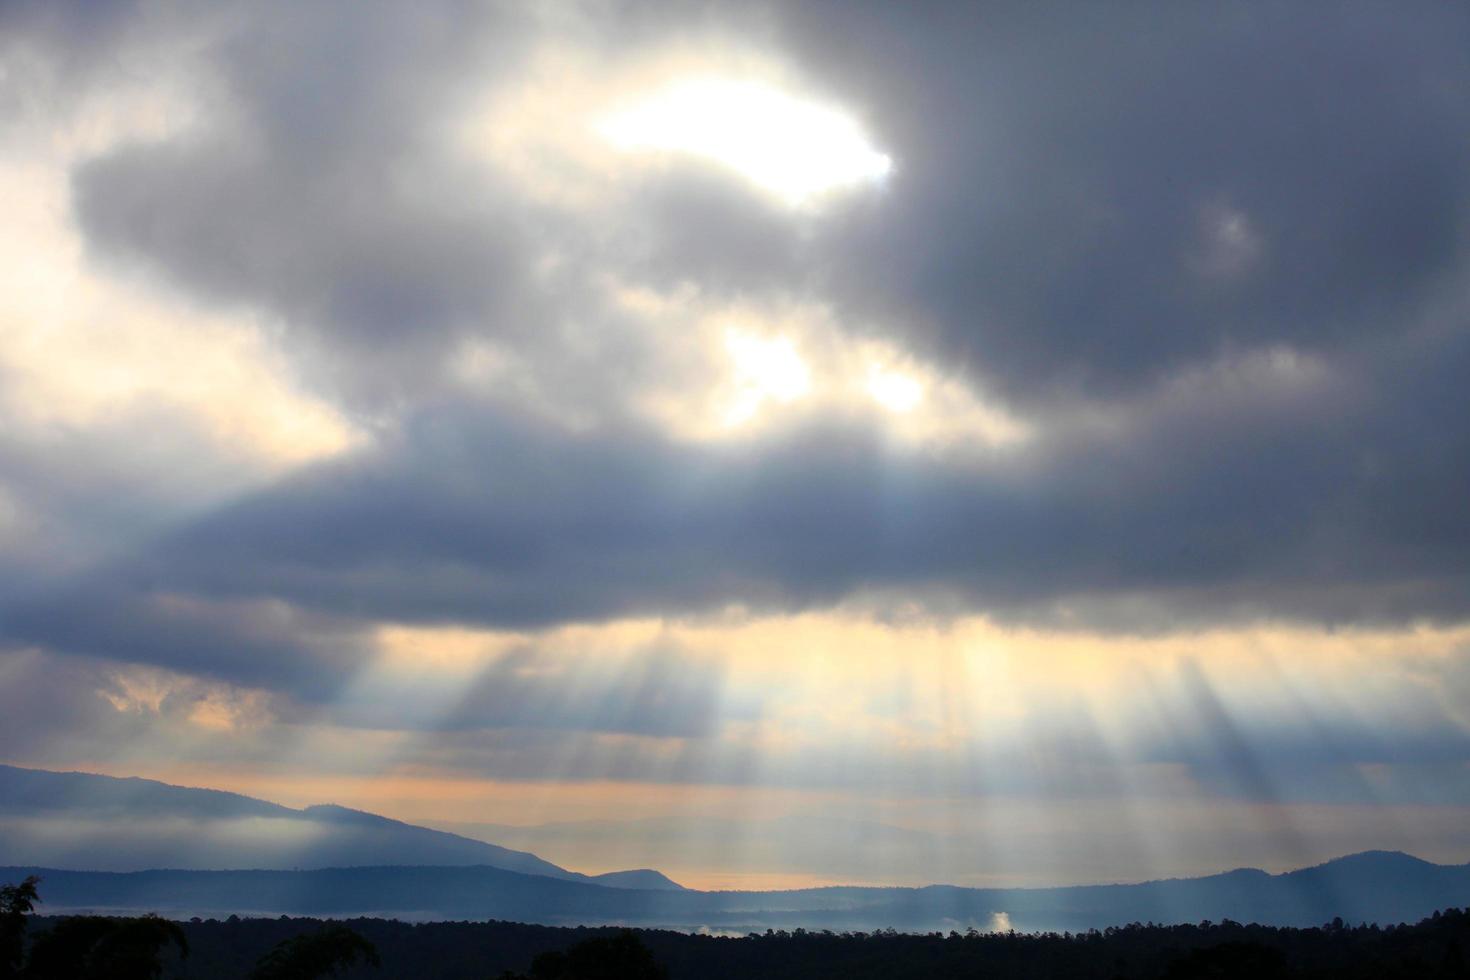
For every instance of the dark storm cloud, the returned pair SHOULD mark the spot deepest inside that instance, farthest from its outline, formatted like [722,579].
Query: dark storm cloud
[72,495]
[1122,203]
[1334,501]
[326,187]
[259,644]
[309,192]
[388,291]
[1091,197]
[1330,502]
[1085,199]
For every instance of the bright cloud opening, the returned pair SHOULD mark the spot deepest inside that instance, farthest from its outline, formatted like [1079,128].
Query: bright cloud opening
[894,391]
[765,368]
[793,147]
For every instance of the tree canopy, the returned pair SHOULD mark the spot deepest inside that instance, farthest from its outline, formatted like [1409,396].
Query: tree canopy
[315,954]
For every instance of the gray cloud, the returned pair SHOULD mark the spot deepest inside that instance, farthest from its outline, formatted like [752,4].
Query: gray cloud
[259,644]
[1327,500]
[66,40]
[1326,503]
[1138,212]
[73,495]
[1091,199]
[308,192]
[52,706]
[1085,202]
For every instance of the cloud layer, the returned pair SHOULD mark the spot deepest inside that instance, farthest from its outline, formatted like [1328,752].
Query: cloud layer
[1174,297]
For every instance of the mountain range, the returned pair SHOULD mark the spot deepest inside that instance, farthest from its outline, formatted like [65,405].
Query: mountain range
[102,823]
[74,829]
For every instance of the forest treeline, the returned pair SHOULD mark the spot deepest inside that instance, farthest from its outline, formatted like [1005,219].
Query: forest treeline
[256,949]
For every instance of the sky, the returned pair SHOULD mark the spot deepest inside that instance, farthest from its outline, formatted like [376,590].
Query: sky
[993,443]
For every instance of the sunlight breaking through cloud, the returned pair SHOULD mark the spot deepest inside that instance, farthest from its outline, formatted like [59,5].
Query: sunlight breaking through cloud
[893,390]
[804,442]
[765,368]
[796,148]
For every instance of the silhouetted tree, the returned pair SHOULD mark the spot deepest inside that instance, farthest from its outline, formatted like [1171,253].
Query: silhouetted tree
[89,947]
[315,954]
[622,957]
[1433,949]
[1229,960]
[16,902]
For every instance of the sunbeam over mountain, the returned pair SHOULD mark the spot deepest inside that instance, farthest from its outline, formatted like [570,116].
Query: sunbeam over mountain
[90,822]
[963,451]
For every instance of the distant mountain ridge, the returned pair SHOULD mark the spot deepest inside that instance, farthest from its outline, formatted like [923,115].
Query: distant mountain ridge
[331,860]
[1380,887]
[91,822]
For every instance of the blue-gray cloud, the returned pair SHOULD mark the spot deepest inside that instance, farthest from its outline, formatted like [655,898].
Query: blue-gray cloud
[1119,220]
[1092,199]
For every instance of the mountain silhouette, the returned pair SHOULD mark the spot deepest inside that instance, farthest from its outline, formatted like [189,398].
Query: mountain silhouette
[644,878]
[1381,888]
[90,822]
[127,845]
